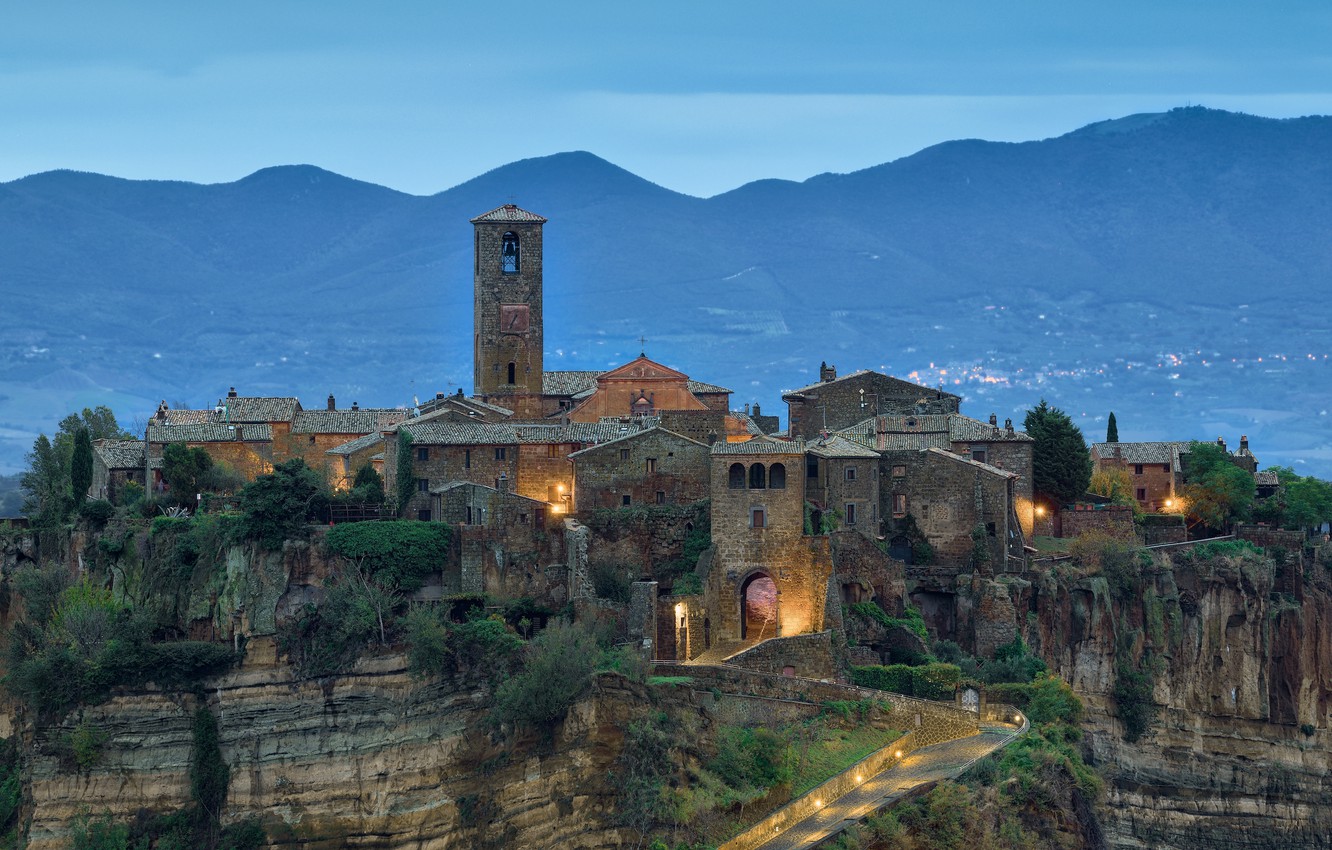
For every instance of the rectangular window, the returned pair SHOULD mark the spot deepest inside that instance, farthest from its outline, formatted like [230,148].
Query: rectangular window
[469,515]
[552,450]
[500,453]
[423,453]
[661,497]
[850,513]
[899,472]
[989,529]
[757,518]
[467,458]
[850,473]
[1165,467]
[626,500]
[899,504]
[423,515]
[312,439]
[978,455]
[1137,469]
[1142,494]
[812,468]
[650,466]
[423,485]
[624,454]
[522,519]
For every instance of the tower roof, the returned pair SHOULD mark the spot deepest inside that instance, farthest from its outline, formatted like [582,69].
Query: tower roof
[509,213]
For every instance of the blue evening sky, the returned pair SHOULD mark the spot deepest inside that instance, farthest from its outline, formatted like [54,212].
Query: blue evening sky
[699,97]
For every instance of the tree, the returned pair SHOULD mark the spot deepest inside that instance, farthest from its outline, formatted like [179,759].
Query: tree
[1303,502]
[47,485]
[1061,464]
[81,467]
[1112,429]
[1218,492]
[183,468]
[368,486]
[278,506]
[1115,484]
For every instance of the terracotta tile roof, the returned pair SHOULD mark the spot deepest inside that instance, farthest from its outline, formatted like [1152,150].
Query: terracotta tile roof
[701,387]
[467,433]
[579,432]
[568,383]
[454,485]
[1162,452]
[760,446]
[635,435]
[965,429]
[956,427]
[209,433]
[119,454]
[898,385]
[259,409]
[359,444]
[509,212]
[984,467]
[345,421]
[459,433]
[187,417]
[835,446]
[1266,479]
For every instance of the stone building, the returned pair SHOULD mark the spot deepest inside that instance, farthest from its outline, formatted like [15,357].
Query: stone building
[530,459]
[346,459]
[767,578]
[835,403]
[245,448]
[313,433]
[1155,469]
[116,463]
[962,507]
[1001,447]
[642,387]
[842,485]
[649,467]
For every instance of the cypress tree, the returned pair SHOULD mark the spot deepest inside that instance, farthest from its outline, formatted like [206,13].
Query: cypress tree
[81,467]
[1111,429]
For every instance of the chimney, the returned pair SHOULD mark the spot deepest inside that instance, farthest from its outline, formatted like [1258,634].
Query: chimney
[231,393]
[756,410]
[502,483]
[746,408]
[439,396]
[1221,441]
[460,392]
[994,420]
[880,432]
[1008,426]
[332,402]
[827,373]
[355,406]
[1244,443]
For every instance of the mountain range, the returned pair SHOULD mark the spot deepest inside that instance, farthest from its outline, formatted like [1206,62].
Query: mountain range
[1172,267]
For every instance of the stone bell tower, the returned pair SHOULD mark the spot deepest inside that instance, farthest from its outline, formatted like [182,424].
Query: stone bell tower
[507,318]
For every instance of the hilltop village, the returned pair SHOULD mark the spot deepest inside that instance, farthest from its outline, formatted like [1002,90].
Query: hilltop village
[878,489]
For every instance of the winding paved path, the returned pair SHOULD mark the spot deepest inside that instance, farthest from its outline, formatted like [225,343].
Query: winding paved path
[941,761]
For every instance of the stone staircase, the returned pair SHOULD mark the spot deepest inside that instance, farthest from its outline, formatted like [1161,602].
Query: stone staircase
[723,650]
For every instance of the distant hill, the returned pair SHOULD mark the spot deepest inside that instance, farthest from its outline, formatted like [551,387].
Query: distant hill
[1067,268]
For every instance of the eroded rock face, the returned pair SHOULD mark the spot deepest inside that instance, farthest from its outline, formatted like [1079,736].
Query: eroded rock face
[1240,754]
[369,759]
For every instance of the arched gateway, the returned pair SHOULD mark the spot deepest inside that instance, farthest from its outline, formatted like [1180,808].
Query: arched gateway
[758,607]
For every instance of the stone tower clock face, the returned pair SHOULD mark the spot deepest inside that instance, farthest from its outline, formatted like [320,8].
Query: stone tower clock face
[514,318]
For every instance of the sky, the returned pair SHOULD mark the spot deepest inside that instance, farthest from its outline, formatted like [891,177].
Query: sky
[698,97]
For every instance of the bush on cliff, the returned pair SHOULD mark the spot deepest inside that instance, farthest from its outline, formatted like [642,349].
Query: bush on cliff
[402,553]
[558,666]
[278,506]
[934,681]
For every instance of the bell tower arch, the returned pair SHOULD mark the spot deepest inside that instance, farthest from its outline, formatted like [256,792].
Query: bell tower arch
[507,317]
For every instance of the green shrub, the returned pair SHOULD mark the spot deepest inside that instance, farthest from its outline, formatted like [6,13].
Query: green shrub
[485,643]
[209,774]
[168,524]
[611,582]
[1053,701]
[896,678]
[97,512]
[85,744]
[427,642]
[1016,694]
[935,681]
[912,620]
[557,671]
[103,833]
[688,584]
[277,507]
[397,553]
[1133,699]
[752,758]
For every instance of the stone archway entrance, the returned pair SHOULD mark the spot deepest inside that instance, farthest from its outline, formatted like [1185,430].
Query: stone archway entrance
[758,607]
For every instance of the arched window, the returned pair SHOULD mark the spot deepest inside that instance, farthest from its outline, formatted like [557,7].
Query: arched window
[513,373]
[777,477]
[509,253]
[756,477]
[737,476]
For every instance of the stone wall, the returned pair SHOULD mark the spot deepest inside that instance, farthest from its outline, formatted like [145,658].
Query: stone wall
[949,496]
[443,464]
[833,491]
[807,656]
[840,404]
[508,323]
[1114,520]
[684,627]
